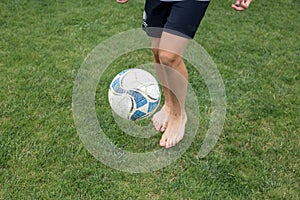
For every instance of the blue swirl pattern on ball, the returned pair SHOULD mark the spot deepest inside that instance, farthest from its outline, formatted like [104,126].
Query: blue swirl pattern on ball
[153,106]
[116,86]
[137,91]
[139,98]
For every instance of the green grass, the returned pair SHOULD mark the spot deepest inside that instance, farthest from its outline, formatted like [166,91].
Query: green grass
[42,45]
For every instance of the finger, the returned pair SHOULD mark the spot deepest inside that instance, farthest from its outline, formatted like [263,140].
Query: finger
[245,4]
[237,7]
[122,1]
[238,2]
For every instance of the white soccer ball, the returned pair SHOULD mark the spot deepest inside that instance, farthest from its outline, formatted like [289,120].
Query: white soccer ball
[134,94]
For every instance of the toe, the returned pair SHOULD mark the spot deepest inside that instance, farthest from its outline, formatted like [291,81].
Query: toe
[162,142]
[170,143]
[157,126]
[164,127]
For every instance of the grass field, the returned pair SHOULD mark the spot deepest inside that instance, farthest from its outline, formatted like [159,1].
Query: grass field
[42,46]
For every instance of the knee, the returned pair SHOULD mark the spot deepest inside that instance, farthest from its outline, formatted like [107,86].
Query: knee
[168,58]
[155,52]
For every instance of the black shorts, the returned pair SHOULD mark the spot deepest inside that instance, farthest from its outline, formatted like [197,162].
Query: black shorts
[178,17]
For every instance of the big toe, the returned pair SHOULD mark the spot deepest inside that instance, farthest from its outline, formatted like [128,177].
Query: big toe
[163,142]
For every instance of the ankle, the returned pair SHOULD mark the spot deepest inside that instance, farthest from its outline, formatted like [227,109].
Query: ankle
[178,114]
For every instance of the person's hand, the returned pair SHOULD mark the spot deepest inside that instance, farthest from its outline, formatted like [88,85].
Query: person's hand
[122,1]
[241,5]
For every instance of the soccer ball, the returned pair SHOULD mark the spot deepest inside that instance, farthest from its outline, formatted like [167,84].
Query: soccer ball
[134,94]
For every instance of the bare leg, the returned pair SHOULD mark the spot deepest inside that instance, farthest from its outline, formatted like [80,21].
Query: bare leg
[171,48]
[161,118]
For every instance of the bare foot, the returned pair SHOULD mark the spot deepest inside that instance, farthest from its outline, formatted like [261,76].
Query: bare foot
[174,132]
[161,118]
